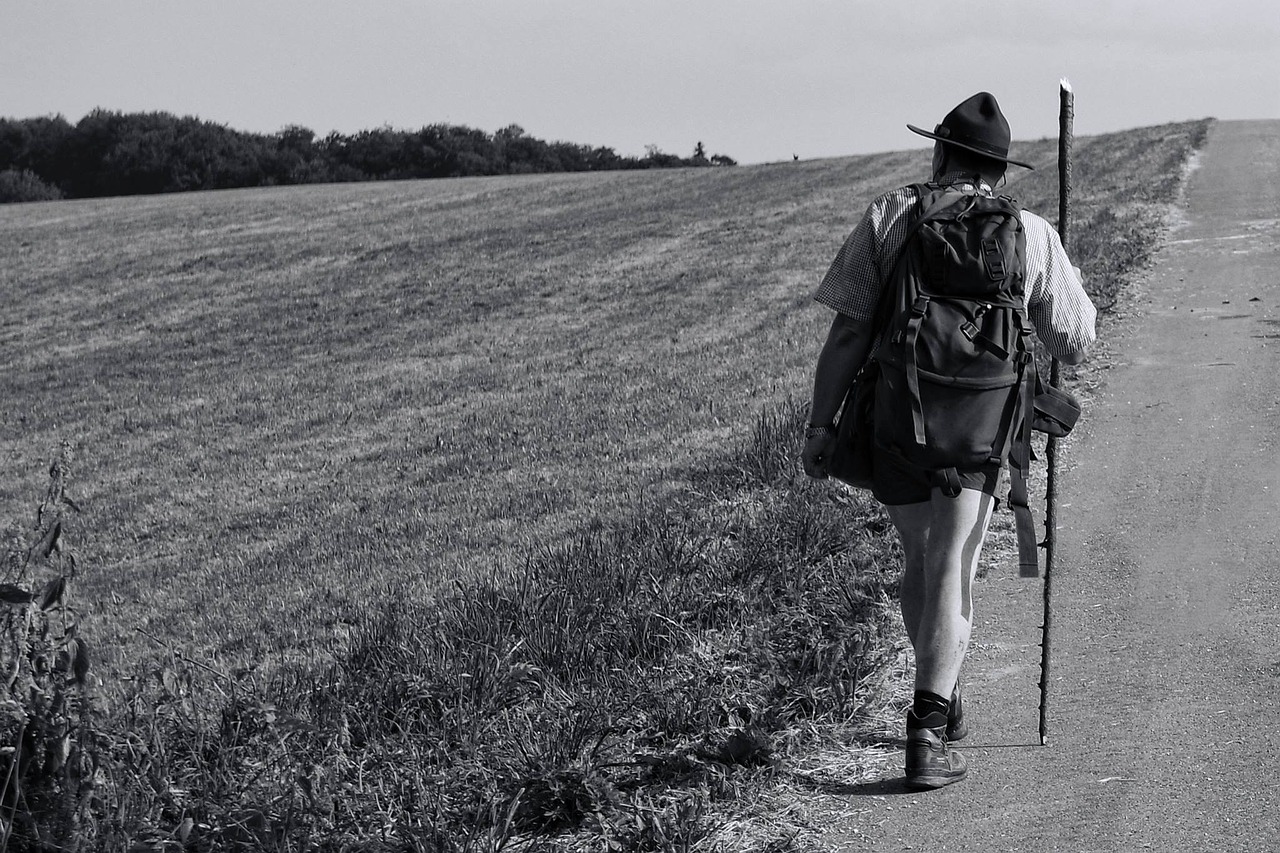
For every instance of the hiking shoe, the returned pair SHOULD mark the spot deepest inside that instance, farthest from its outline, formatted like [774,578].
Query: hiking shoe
[957,728]
[931,763]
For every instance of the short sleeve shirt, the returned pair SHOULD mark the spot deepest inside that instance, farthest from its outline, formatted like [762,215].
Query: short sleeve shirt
[1061,312]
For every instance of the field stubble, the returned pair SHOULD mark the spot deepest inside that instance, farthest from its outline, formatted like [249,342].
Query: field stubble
[308,415]
[289,400]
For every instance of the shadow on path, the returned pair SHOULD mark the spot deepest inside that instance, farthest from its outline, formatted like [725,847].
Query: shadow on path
[873,788]
[892,786]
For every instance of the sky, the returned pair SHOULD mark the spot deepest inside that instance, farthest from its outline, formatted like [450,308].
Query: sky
[758,80]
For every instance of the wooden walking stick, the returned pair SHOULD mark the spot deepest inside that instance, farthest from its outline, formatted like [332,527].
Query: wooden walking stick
[1066,117]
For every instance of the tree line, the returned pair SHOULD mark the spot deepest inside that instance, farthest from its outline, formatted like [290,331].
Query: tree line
[112,153]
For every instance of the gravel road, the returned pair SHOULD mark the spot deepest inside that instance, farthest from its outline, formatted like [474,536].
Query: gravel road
[1163,709]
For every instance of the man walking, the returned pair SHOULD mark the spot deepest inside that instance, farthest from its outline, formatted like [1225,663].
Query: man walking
[941,516]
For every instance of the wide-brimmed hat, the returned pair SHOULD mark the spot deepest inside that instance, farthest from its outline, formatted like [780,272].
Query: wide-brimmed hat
[976,125]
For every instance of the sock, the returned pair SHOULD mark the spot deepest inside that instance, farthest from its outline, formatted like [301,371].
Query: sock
[925,703]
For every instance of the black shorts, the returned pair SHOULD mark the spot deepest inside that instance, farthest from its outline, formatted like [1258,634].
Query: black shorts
[895,481]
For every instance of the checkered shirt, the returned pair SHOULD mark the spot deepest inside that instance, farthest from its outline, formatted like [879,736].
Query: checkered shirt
[1057,304]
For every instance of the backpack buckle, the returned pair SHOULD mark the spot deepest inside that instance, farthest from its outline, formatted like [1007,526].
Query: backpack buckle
[921,306]
[969,330]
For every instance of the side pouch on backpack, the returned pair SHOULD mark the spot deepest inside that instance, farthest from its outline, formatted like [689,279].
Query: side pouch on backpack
[854,444]
[1056,411]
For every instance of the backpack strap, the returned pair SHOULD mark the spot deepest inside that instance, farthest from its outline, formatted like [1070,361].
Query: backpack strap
[948,480]
[884,308]
[1019,468]
[1021,453]
[918,312]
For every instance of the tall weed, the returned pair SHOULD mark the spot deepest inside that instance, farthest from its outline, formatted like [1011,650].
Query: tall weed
[47,749]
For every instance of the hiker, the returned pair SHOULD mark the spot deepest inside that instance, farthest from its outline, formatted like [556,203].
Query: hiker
[941,515]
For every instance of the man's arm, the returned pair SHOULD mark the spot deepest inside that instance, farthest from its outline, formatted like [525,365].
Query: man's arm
[1061,311]
[848,343]
[844,352]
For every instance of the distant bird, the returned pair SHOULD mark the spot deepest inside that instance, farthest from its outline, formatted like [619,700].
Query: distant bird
[795,157]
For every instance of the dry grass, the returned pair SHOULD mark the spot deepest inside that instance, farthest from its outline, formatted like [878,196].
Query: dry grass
[480,493]
[298,396]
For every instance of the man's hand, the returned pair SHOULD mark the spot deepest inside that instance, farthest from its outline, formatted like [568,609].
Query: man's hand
[814,456]
[844,353]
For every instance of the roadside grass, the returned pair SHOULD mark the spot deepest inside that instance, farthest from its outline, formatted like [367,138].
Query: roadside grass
[479,498]
[644,685]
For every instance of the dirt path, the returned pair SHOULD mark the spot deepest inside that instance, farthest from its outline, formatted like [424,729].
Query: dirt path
[1163,712]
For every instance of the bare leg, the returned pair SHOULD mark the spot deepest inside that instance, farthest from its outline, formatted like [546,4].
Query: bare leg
[914,518]
[937,588]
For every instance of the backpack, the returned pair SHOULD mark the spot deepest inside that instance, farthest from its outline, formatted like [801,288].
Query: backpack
[954,358]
